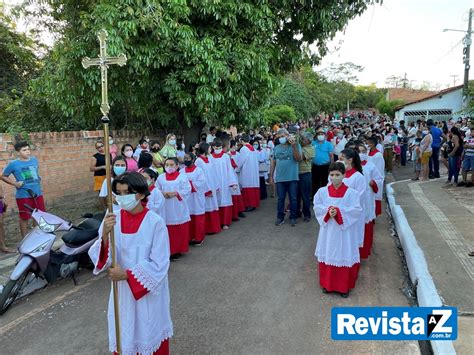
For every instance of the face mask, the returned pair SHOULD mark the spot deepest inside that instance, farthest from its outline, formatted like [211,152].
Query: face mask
[336,179]
[325,130]
[119,170]
[340,135]
[264,145]
[363,156]
[149,182]
[128,154]
[426,132]
[111,141]
[282,140]
[183,146]
[347,165]
[188,163]
[155,150]
[320,138]
[170,170]
[255,146]
[172,141]
[218,151]
[127,202]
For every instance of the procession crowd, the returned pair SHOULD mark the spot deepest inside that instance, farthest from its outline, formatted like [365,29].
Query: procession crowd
[168,197]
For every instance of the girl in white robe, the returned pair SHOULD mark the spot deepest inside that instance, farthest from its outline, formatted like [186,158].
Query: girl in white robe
[376,157]
[355,179]
[337,210]
[119,166]
[249,175]
[156,201]
[141,272]
[213,223]
[197,200]
[176,189]
[374,183]
[226,182]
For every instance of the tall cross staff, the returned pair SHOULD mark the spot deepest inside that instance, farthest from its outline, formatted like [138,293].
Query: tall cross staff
[103,61]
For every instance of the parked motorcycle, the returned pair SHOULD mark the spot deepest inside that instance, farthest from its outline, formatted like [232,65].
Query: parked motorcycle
[37,258]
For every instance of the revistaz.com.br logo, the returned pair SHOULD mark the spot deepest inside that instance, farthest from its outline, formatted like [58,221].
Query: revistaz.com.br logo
[394,323]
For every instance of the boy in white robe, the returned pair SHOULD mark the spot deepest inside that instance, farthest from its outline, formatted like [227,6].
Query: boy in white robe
[141,272]
[249,174]
[376,157]
[337,210]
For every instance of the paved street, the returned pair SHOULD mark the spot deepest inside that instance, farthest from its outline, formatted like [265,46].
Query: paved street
[250,290]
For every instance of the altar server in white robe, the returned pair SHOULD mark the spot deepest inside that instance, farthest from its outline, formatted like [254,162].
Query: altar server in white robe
[197,199]
[355,179]
[238,205]
[156,200]
[376,157]
[226,182]
[141,272]
[213,223]
[249,174]
[374,183]
[337,210]
[176,189]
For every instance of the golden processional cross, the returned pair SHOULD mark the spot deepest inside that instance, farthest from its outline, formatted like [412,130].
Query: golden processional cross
[103,61]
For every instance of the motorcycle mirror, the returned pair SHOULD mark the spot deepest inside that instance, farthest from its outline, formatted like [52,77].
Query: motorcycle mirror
[87,215]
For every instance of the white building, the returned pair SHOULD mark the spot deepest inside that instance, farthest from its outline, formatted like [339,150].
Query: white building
[439,107]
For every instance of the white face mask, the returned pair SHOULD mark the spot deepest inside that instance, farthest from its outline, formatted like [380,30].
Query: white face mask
[218,151]
[172,141]
[340,135]
[127,202]
[363,156]
[336,179]
[128,154]
[111,141]
[170,170]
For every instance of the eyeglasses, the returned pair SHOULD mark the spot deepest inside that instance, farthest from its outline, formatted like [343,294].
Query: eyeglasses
[99,146]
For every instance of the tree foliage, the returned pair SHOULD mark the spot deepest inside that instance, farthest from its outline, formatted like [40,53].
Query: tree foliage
[279,113]
[388,107]
[190,62]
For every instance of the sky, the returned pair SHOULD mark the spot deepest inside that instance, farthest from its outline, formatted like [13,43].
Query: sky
[406,36]
[398,37]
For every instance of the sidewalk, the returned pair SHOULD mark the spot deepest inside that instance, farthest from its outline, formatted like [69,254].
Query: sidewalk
[442,220]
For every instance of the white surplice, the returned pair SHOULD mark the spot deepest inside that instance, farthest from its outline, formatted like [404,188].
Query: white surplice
[248,167]
[147,322]
[378,160]
[211,201]
[225,178]
[338,245]
[371,173]
[357,182]
[196,201]
[176,208]
[156,202]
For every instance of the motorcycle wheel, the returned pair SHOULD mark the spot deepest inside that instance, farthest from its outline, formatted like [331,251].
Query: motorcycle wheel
[11,291]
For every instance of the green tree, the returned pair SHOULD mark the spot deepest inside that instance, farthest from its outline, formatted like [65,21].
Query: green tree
[388,107]
[295,95]
[367,96]
[279,113]
[190,62]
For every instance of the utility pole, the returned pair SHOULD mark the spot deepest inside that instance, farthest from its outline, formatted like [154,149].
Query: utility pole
[454,76]
[467,54]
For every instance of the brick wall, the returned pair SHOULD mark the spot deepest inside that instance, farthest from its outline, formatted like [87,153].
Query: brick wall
[64,159]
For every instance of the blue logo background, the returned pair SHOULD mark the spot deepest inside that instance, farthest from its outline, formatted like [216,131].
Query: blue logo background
[370,323]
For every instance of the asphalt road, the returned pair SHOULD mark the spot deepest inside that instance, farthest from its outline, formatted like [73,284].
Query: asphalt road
[250,290]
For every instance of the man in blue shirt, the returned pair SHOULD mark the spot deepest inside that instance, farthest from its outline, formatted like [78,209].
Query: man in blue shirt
[286,156]
[26,172]
[438,138]
[323,157]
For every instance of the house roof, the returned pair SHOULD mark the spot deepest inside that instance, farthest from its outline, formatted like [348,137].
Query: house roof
[407,95]
[439,93]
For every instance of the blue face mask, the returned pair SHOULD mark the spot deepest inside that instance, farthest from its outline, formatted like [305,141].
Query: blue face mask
[119,170]
[282,140]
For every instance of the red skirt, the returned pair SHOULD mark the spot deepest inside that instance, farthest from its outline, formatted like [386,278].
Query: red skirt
[338,278]
[225,215]
[164,348]
[198,227]
[237,206]
[378,207]
[213,222]
[364,251]
[179,238]
[251,196]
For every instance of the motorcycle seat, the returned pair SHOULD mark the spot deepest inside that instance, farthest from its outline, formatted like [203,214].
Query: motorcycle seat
[78,237]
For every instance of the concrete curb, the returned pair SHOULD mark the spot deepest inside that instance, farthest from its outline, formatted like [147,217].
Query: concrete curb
[427,294]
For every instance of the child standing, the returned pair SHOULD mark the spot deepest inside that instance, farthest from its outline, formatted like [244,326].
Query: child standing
[26,172]
[338,212]
[417,159]
[176,189]
[197,200]
[156,201]
[141,272]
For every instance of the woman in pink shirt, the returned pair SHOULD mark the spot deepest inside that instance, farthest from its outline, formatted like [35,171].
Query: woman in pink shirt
[127,152]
